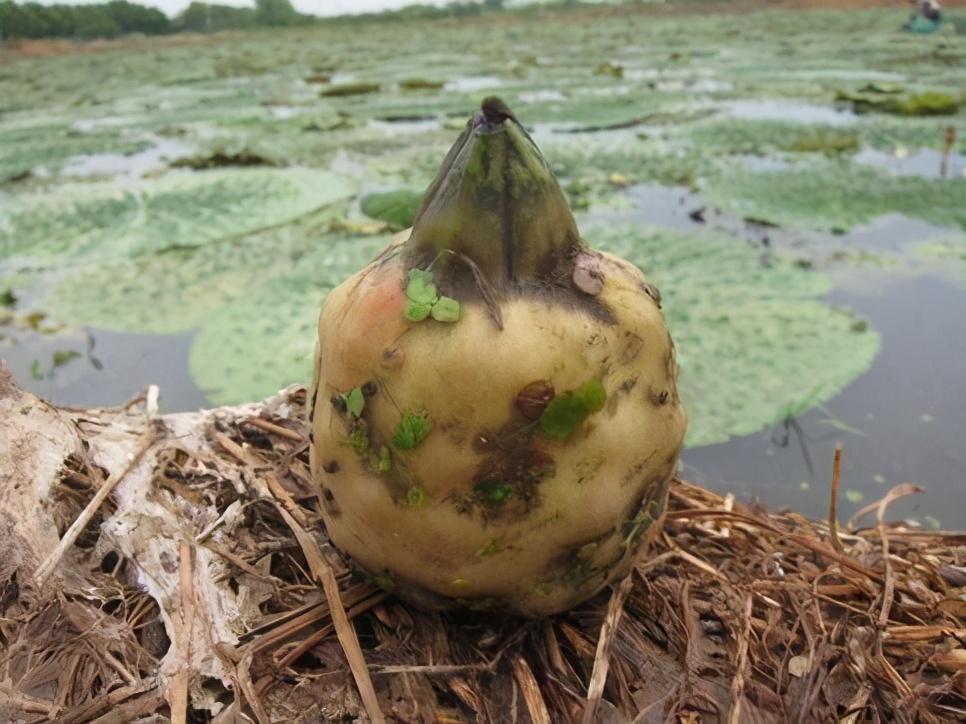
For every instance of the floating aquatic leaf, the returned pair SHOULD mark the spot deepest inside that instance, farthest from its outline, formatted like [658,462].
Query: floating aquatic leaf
[921,104]
[829,141]
[854,496]
[949,253]
[397,208]
[177,290]
[181,210]
[349,89]
[829,194]
[264,339]
[61,357]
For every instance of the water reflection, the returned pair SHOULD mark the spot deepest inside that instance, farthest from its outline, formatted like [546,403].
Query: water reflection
[100,367]
[129,165]
[902,421]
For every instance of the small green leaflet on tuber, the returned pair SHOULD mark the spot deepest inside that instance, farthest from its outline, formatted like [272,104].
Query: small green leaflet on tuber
[412,430]
[421,295]
[416,312]
[566,412]
[423,300]
[446,309]
[355,401]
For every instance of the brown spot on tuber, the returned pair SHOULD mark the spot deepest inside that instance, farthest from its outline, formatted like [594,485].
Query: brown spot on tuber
[392,358]
[331,467]
[533,399]
[653,292]
[587,275]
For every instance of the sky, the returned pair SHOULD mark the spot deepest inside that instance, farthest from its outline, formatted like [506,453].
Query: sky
[315,7]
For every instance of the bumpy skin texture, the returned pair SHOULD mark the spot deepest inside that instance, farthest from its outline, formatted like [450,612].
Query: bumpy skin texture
[489,510]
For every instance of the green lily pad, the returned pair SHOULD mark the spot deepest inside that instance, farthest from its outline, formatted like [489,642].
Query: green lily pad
[177,290]
[828,194]
[949,252]
[921,104]
[180,210]
[264,340]
[396,208]
[349,89]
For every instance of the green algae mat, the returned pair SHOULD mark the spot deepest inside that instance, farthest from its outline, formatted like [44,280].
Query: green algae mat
[222,186]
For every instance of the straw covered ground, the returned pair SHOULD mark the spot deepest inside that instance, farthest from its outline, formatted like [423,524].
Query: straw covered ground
[175,568]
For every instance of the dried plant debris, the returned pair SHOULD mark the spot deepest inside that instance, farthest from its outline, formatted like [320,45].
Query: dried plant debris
[194,594]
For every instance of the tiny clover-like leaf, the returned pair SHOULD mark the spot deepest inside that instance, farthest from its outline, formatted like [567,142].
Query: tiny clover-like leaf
[412,430]
[420,287]
[416,312]
[446,309]
[355,401]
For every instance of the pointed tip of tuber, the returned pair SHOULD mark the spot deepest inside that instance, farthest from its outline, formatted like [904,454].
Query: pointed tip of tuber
[496,202]
[494,110]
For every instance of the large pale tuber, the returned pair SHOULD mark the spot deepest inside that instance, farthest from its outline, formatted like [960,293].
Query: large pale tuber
[494,416]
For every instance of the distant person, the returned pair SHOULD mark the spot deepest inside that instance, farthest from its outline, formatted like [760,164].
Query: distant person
[927,18]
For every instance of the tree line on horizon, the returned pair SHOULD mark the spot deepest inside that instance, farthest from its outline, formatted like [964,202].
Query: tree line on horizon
[119,17]
[31,20]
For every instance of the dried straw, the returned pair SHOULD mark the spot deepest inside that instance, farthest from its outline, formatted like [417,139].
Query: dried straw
[740,614]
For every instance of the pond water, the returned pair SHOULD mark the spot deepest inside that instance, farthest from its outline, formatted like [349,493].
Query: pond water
[714,151]
[775,110]
[902,421]
[157,156]
[924,163]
